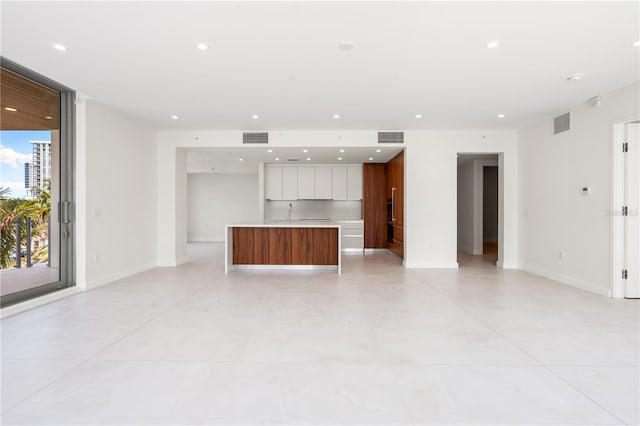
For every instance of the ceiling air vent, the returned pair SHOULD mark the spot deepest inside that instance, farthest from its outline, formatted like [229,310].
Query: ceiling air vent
[390,137]
[255,137]
[561,123]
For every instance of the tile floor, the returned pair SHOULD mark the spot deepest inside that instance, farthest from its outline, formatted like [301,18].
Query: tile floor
[377,345]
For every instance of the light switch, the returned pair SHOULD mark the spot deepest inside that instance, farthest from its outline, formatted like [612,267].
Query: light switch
[586,190]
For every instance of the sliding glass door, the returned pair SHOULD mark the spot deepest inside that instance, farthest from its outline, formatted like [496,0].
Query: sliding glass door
[36,185]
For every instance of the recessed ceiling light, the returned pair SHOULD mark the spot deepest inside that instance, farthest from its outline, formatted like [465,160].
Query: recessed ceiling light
[308,159]
[202,46]
[60,47]
[305,150]
[636,44]
[255,117]
[418,115]
[345,45]
[174,117]
[370,158]
[378,150]
[575,77]
[336,116]
[500,115]
[277,159]
[492,44]
[269,150]
[339,158]
[10,109]
[342,150]
[240,159]
[48,118]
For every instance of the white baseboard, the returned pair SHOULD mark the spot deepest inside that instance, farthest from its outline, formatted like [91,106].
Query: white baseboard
[119,275]
[565,279]
[38,301]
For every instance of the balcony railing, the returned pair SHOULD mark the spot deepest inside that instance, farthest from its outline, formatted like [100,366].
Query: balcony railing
[28,241]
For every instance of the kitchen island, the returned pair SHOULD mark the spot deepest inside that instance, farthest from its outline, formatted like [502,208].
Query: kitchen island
[284,245]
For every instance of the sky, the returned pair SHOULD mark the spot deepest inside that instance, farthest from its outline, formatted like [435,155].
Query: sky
[15,150]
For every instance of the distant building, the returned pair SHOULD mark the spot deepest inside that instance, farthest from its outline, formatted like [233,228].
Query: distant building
[38,172]
[27,176]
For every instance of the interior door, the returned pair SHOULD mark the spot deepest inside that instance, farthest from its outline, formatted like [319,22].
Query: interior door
[632,219]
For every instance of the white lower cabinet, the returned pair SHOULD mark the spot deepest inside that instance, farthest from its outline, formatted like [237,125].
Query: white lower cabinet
[352,235]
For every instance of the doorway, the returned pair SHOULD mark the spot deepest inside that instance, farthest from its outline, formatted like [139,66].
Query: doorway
[478,210]
[626,209]
[36,133]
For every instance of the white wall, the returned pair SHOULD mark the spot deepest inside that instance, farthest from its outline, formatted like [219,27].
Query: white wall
[217,199]
[555,216]
[430,186]
[465,206]
[430,194]
[117,195]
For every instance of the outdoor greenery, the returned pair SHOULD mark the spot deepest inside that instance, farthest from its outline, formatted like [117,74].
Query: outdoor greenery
[38,209]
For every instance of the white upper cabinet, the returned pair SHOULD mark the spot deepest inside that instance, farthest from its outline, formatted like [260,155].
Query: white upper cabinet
[273,190]
[322,182]
[354,183]
[289,183]
[313,182]
[339,182]
[306,183]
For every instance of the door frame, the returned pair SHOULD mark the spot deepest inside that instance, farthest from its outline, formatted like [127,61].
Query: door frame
[616,285]
[478,201]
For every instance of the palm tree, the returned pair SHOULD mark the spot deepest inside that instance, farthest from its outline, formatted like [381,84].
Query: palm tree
[38,209]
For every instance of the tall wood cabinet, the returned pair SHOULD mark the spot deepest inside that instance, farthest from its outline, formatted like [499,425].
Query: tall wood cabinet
[395,194]
[383,205]
[374,205]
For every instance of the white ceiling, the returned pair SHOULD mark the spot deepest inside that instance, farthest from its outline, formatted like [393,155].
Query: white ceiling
[227,160]
[282,61]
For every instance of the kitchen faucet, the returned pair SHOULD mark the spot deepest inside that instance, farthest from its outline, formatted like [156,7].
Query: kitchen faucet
[290,211]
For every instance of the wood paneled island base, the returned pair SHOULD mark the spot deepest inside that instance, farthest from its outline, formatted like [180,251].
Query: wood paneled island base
[282,246]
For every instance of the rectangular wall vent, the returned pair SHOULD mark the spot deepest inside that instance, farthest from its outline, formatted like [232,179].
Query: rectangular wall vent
[562,123]
[390,137]
[255,137]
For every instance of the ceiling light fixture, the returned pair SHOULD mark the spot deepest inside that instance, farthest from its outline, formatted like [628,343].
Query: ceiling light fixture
[342,150]
[336,116]
[10,109]
[305,150]
[60,47]
[339,158]
[418,115]
[269,150]
[255,116]
[308,159]
[202,46]
[370,158]
[277,159]
[240,159]
[174,117]
[492,44]
[378,150]
[636,44]
[500,115]
[345,45]
[575,77]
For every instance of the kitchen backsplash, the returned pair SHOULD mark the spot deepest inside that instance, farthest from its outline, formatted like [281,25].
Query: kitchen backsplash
[313,209]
